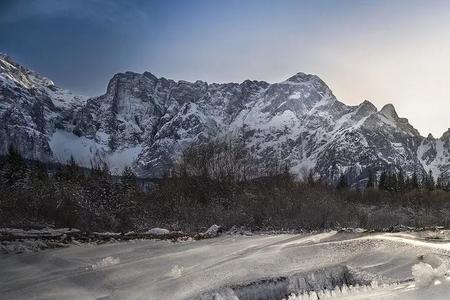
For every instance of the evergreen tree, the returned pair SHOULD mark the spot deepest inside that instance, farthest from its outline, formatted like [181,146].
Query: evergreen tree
[440,182]
[371,181]
[392,181]
[415,181]
[128,180]
[383,185]
[15,168]
[446,186]
[408,185]
[342,184]
[310,178]
[430,181]
[39,171]
[401,183]
[71,171]
[126,206]
[424,180]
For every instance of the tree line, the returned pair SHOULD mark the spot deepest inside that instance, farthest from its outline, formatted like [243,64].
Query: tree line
[70,196]
[213,183]
[399,181]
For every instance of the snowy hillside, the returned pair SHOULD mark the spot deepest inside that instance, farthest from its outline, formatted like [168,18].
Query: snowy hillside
[146,122]
[327,265]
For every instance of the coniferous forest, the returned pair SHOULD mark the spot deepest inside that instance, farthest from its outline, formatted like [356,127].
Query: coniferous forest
[213,183]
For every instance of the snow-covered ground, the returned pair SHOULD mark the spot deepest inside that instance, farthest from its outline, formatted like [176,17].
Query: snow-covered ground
[378,266]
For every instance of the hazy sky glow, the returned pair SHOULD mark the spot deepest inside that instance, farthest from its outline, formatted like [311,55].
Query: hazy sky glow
[384,51]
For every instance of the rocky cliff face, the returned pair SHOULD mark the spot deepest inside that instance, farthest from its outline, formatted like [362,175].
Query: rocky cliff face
[146,122]
[31,108]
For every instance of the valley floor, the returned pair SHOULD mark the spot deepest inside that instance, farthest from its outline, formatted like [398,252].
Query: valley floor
[355,265]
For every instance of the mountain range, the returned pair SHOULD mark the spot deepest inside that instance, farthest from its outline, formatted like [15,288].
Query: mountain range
[146,122]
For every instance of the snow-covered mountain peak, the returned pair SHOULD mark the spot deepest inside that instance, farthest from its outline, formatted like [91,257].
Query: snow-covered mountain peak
[4,57]
[14,74]
[33,86]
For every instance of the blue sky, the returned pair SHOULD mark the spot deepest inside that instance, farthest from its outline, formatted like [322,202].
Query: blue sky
[383,51]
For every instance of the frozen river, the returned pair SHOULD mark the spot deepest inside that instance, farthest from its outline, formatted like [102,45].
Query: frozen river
[231,267]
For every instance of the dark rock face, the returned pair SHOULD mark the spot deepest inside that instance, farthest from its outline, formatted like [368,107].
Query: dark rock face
[146,122]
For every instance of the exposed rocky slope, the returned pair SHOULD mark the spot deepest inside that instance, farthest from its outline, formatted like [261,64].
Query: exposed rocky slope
[146,122]
[31,108]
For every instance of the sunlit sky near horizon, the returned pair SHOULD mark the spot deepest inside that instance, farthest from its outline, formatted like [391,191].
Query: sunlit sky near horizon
[383,51]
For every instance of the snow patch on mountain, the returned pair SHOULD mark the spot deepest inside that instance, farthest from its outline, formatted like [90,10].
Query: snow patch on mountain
[433,156]
[87,153]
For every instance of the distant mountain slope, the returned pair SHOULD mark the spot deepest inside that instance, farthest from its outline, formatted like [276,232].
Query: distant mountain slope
[31,108]
[146,122]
